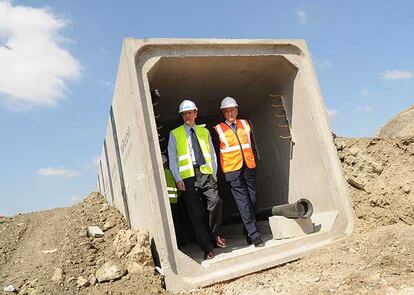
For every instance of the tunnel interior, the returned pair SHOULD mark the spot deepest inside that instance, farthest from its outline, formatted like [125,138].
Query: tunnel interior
[263,88]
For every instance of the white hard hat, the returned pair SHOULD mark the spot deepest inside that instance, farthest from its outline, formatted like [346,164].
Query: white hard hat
[187,105]
[228,102]
[164,159]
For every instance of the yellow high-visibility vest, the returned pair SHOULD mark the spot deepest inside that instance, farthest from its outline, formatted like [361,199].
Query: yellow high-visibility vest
[171,186]
[185,163]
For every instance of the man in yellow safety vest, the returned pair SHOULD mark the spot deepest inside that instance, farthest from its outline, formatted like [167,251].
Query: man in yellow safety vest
[177,208]
[194,166]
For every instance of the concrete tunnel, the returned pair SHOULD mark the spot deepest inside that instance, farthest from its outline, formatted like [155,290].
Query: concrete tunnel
[276,88]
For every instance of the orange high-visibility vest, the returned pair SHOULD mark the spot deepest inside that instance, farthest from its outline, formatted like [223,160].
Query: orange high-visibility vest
[235,148]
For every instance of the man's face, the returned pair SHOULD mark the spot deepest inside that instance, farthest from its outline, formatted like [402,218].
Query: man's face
[230,114]
[189,117]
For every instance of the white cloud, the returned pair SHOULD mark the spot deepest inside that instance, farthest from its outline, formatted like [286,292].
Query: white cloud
[75,199]
[323,64]
[365,109]
[95,161]
[107,84]
[397,75]
[332,113]
[302,16]
[35,69]
[364,92]
[50,171]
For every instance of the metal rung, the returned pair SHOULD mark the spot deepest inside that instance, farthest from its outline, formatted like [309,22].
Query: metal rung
[275,95]
[277,105]
[159,127]
[280,116]
[285,137]
[282,126]
[157,116]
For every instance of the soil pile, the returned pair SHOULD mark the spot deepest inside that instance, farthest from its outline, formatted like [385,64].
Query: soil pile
[378,257]
[51,252]
[400,126]
[381,175]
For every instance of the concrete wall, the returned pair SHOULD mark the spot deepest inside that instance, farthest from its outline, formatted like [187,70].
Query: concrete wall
[255,72]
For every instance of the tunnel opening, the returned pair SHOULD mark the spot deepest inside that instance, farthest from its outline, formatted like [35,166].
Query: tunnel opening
[263,88]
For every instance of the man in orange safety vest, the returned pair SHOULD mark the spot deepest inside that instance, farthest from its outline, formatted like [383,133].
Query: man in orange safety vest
[238,164]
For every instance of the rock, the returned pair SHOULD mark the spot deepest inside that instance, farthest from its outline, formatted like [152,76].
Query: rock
[83,233]
[9,288]
[143,238]
[104,208]
[124,241]
[32,291]
[58,276]
[111,270]
[355,184]
[406,189]
[92,279]
[140,256]
[49,251]
[82,282]
[354,150]
[23,291]
[134,267]
[339,146]
[109,224]
[95,231]
[377,167]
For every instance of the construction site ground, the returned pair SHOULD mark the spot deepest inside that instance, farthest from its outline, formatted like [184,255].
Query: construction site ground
[50,252]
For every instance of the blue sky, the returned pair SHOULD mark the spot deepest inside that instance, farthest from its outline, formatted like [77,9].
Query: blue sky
[58,63]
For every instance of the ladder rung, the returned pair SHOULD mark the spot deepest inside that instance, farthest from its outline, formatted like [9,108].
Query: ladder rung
[277,105]
[282,126]
[285,137]
[280,116]
[275,95]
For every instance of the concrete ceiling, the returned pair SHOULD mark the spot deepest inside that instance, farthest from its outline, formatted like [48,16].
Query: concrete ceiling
[206,80]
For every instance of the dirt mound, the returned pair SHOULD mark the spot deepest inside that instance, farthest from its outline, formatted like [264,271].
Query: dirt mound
[51,252]
[378,262]
[381,177]
[400,126]
[378,257]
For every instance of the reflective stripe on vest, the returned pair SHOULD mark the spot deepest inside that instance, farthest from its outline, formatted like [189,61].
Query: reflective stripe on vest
[235,149]
[171,188]
[185,163]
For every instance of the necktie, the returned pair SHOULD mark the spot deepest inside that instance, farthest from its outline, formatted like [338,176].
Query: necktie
[198,154]
[233,126]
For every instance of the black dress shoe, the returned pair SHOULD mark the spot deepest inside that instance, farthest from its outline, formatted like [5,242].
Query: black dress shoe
[208,254]
[258,242]
[249,240]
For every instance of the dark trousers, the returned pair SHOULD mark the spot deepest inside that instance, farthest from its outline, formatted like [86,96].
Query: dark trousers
[201,189]
[243,187]
[181,226]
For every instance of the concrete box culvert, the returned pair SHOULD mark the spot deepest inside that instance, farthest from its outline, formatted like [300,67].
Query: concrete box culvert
[296,155]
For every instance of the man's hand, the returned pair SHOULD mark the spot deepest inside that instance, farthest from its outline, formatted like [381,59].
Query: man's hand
[180,185]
